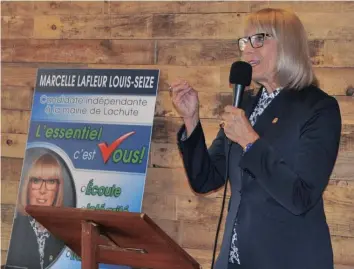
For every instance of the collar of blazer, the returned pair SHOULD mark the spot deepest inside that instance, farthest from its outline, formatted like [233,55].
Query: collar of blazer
[275,110]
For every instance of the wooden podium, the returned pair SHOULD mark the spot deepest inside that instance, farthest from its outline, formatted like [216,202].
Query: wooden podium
[119,238]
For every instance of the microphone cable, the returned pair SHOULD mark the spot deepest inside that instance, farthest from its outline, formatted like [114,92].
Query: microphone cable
[223,202]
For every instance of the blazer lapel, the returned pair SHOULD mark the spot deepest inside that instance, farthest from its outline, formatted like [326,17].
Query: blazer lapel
[252,102]
[274,111]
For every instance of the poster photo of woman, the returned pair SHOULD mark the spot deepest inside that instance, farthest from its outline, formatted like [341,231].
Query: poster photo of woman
[46,181]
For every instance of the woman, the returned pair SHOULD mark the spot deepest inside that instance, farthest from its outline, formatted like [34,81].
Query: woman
[42,186]
[284,145]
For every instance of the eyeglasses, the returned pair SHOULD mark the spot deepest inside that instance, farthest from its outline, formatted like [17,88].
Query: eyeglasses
[50,184]
[257,41]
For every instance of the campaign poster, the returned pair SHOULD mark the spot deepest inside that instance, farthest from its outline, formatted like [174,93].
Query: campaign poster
[88,147]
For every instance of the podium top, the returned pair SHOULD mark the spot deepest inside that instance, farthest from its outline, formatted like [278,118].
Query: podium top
[125,238]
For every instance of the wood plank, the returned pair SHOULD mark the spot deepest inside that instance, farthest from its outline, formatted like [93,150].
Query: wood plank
[340,266]
[160,206]
[198,26]
[346,104]
[9,191]
[131,26]
[171,227]
[3,256]
[13,145]
[201,235]
[190,26]
[16,8]
[16,97]
[172,7]
[7,215]
[15,121]
[211,105]
[7,50]
[203,78]
[167,181]
[201,52]
[72,27]
[173,182]
[164,156]
[339,206]
[335,81]
[347,138]
[21,76]
[339,53]
[52,7]
[202,256]
[344,168]
[79,51]
[16,27]
[343,250]
[231,26]
[11,170]
[305,6]
[199,209]
[70,7]
[332,26]
[24,74]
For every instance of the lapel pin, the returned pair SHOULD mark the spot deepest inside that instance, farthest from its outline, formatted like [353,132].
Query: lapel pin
[275,120]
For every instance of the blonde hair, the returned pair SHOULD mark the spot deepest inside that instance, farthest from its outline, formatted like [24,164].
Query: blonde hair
[46,166]
[294,68]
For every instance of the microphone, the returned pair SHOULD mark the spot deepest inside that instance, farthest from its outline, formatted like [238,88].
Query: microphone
[240,77]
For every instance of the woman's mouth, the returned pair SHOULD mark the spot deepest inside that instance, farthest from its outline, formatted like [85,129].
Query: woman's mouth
[254,62]
[41,201]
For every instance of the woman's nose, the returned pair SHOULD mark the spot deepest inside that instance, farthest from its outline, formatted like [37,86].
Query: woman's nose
[248,48]
[42,188]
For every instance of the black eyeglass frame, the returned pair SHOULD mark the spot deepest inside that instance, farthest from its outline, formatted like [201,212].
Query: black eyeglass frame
[45,181]
[249,38]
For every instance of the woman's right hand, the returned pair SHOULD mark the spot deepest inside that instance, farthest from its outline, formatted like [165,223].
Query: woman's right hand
[186,102]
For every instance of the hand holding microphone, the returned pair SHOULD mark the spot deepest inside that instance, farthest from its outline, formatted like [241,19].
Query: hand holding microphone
[237,127]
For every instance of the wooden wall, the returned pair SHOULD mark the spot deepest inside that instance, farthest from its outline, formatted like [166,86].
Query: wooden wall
[195,41]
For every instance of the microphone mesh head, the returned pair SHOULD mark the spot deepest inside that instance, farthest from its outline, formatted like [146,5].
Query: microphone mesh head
[240,73]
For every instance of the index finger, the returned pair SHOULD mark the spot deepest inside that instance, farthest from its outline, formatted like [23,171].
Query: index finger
[229,109]
[178,82]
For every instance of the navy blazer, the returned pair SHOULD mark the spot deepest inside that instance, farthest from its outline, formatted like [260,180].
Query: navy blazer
[276,186]
[23,250]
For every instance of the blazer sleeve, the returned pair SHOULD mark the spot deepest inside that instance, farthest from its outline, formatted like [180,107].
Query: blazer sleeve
[299,185]
[205,167]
